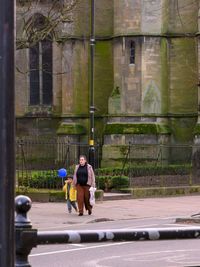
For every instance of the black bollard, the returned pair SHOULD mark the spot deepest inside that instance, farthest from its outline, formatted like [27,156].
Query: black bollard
[26,237]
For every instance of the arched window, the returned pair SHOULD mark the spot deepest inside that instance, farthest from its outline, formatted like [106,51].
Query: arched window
[132,52]
[40,65]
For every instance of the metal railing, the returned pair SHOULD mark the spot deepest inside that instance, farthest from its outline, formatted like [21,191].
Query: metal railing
[40,153]
[158,154]
[41,158]
[27,238]
[161,165]
[37,162]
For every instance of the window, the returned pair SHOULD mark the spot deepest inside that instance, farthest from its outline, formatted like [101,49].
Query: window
[132,52]
[40,63]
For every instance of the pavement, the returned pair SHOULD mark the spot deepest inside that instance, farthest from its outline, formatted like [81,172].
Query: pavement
[55,216]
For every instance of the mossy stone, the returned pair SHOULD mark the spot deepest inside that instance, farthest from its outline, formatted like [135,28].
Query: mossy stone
[137,128]
[71,129]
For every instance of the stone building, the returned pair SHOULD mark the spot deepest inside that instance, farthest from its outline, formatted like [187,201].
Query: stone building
[146,74]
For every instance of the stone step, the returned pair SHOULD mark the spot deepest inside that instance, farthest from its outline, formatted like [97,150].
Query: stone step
[116,196]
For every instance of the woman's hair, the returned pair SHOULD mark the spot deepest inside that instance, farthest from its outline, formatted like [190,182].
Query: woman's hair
[83,156]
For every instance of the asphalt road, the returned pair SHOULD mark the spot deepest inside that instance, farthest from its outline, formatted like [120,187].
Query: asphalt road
[167,253]
[137,254]
[124,214]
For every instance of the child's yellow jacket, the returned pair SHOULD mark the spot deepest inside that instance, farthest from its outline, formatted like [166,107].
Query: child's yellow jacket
[72,192]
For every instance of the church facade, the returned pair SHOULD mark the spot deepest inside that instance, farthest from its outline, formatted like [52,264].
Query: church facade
[146,73]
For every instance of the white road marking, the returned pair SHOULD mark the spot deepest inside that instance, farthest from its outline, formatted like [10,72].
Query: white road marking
[140,226]
[108,245]
[78,245]
[135,257]
[163,251]
[181,257]
[78,249]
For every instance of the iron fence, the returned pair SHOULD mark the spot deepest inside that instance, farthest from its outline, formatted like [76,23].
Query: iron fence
[38,160]
[158,154]
[157,165]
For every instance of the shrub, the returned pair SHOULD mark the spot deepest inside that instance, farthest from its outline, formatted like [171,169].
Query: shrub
[112,171]
[41,179]
[106,178]
[112,182]
[146,170]
[120,181]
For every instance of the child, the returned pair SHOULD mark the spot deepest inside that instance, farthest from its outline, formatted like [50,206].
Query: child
[70,194]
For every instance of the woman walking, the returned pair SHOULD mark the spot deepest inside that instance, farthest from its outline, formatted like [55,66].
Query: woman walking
[83,179]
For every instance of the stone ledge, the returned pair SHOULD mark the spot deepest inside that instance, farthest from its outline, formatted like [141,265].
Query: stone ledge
[116,196]
[163,181]
[126,193]
[52,196]
[164,191]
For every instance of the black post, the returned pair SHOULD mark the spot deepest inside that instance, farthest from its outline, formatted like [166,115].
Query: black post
[26,237]
[92,108]
[7,118]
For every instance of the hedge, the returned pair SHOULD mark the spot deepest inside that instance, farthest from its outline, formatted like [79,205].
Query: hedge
[147,170]
[112,182]
[106,178]
[41,179]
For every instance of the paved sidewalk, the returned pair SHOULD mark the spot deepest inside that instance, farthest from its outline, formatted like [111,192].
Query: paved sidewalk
[54,215]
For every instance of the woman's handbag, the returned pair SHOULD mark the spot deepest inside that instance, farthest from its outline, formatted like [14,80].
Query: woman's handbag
[92,195]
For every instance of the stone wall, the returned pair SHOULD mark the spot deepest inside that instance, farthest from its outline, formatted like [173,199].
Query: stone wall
[151,76]
[159,88]
[180,17]
[151,16]
[127,77]
[127,17]
[74,84]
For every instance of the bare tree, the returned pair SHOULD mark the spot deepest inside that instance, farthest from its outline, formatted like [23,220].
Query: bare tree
[35,27]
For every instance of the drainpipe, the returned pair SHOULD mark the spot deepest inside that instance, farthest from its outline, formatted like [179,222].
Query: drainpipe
[92,108]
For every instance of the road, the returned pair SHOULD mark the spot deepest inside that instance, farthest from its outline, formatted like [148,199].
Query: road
[138,254]
[127,254]
[166,253]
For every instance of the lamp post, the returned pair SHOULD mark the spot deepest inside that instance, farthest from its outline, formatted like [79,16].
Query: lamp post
[92,108]
[7,118]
